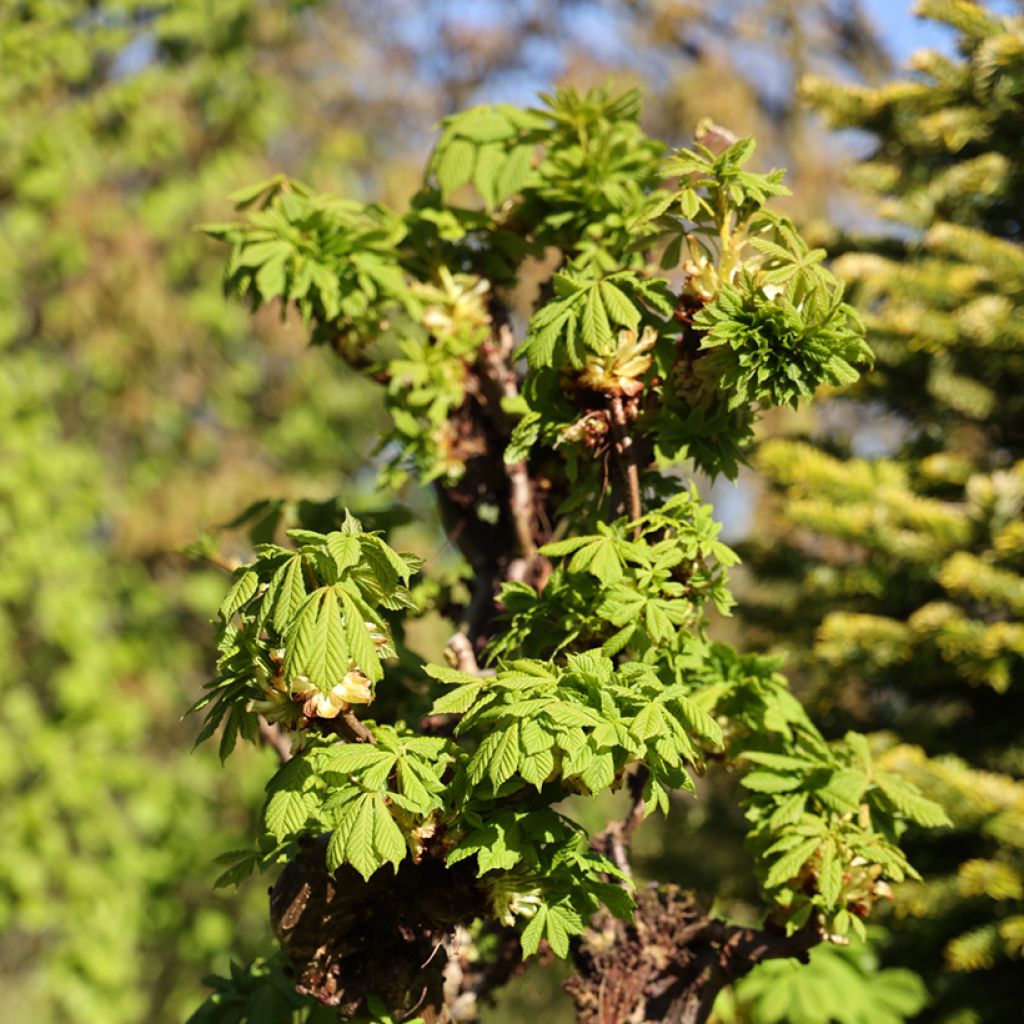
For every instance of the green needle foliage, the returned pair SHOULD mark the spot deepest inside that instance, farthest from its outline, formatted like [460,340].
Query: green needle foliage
[918,558]
[673,306]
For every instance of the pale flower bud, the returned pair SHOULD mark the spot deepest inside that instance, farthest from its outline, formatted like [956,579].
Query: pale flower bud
[353,689]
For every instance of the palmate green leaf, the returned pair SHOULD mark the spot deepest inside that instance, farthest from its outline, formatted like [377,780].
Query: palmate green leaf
[453,677]
[352,758]
[908,801]
[306,538]
[655,797]
[565,714]
[375,549]
[344,548]
[830,873]
[366,836]
[782,762]
[600,557]
[843,791]
[291,799]
[455,165]
[595,326]
[516,173]
[524,437]
[700,721]
[620,309]
[616,899]
[388,840]
[497,844]
[555,923]
[490,159]
[788,811]
[360,646]
[241,592]
[536,766]
[315,644]
[352,839]
[791,862]
[459,700]
[649,722]
[560,548]
[241,863]
[599,774]
[560,923]
[237,722]
[497,757]
[284,595]
[420,787]
[534,932]
[580,318]
[771,782]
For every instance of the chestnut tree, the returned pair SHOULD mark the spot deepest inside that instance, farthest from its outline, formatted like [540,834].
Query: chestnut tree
[419,827]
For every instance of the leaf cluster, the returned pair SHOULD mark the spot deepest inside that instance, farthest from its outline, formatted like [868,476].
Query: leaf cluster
[302,633]
[675,308]
[637,589]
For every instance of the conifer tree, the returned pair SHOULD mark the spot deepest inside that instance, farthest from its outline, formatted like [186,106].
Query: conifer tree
[417,828]
[898,585]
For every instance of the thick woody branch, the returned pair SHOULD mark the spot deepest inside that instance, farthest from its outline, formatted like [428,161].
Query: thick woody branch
[669,964]
[626,451]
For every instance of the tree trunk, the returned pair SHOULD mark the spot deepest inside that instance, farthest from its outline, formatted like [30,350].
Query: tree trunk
[670,963]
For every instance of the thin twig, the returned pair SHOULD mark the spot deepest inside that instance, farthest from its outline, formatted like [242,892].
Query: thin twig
[358,730]
[274,736]
[637,782]
[462,651]
[615,837]
[463,655]
[627,455]
[494,362]
[215,558]
[521,504]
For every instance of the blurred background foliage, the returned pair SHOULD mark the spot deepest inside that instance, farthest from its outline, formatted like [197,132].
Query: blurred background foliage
[138,409]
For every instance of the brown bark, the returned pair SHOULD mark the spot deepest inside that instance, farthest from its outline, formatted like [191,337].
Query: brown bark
[626,452]
[347,938]
[670,963]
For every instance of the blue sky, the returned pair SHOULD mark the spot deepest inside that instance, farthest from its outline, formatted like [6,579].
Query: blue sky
[903,32]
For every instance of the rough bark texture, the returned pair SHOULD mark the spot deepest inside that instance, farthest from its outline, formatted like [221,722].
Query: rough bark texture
[348,938]
[670,964]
